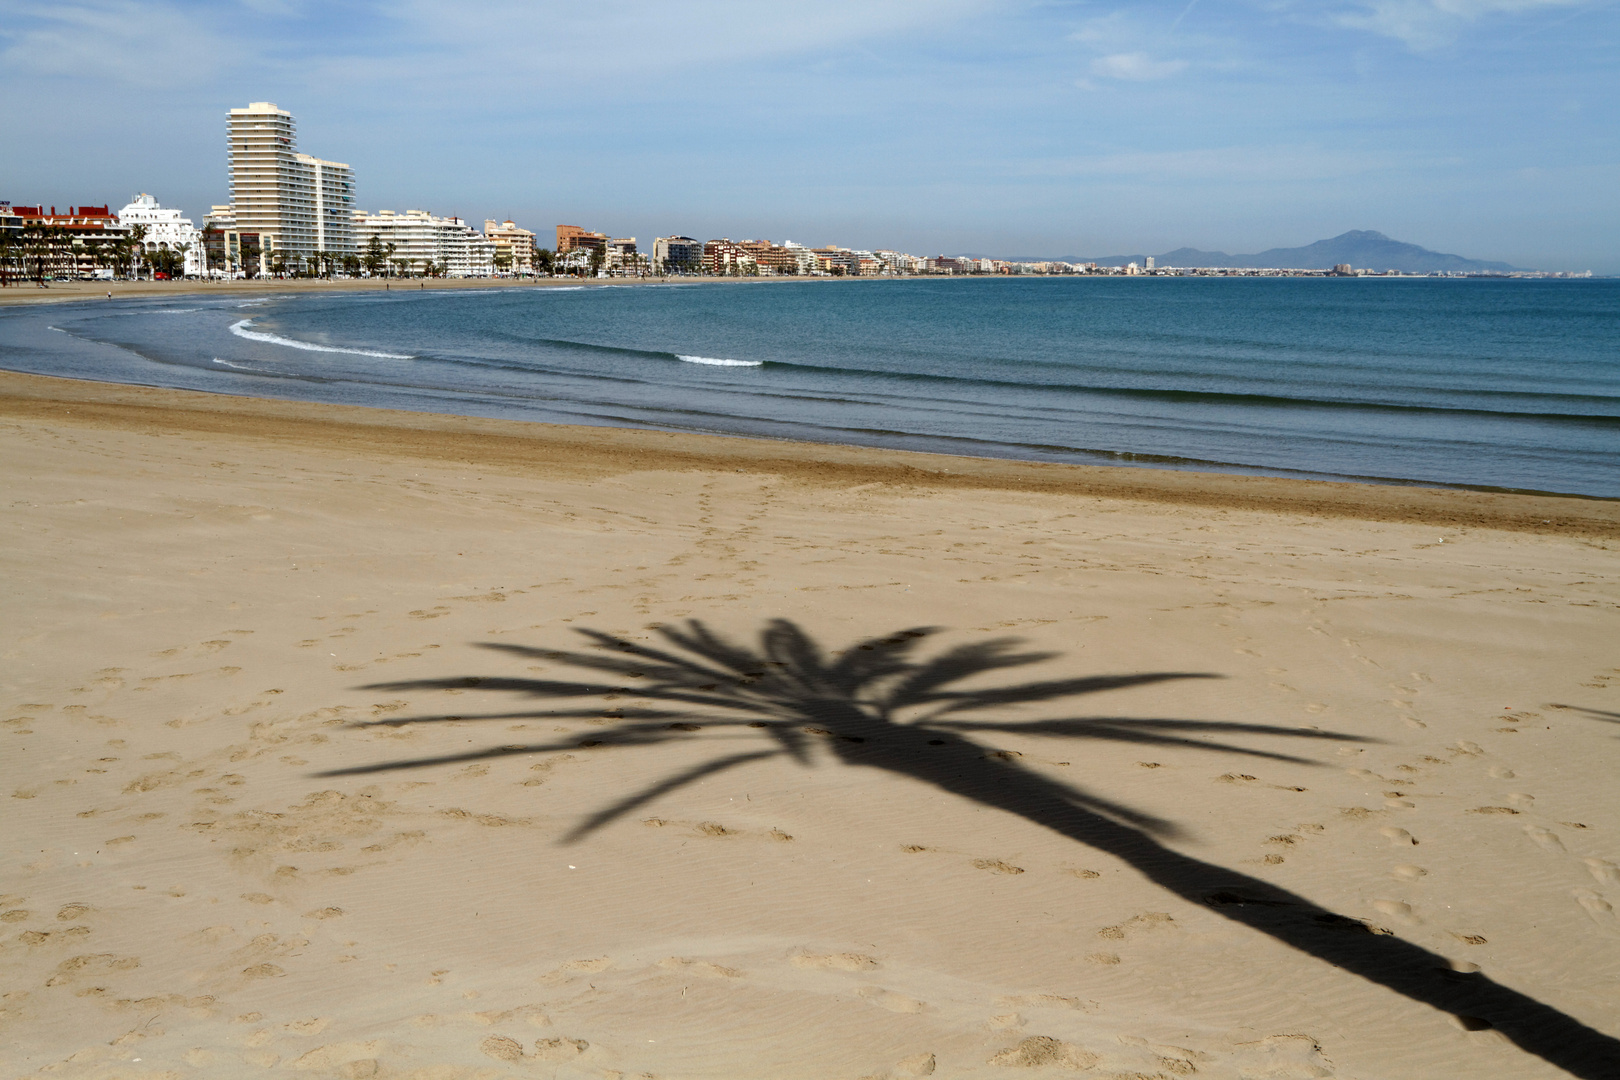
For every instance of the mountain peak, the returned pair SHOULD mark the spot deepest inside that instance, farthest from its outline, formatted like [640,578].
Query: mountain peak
[1362,248]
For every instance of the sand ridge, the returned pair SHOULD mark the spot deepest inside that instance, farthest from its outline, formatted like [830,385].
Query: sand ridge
[381,745]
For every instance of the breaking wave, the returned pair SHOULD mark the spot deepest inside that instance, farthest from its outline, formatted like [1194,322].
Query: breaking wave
[715,361]
[240,329]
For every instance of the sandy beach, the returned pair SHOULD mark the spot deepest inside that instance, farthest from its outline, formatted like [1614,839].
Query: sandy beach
[350,743]
[57,292]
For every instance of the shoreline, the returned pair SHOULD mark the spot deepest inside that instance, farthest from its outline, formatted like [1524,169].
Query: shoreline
[69,291]
[518,445]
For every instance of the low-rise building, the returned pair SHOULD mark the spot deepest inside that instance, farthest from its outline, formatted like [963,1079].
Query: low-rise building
[71,245]
[417,242]
[836,260]
[229,252]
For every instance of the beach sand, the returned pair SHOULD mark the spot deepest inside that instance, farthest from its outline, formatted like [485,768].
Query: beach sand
[342,742]
[29,292]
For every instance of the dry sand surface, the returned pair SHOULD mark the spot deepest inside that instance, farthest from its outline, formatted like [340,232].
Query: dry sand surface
[349,743]
[63,291]
[29,292]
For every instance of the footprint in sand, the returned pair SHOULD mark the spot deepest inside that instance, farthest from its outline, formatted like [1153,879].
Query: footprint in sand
[890,1000]
[700,967]
[996,866]
[1599,909]
[1399,911]
[502,1048]
[600,963]
[916,1065]
[834,961]
[1150,920]
[1604,871]
[1043,1001]
[1043,1051]
[1283,1055]
[559,1049]
[1545,839]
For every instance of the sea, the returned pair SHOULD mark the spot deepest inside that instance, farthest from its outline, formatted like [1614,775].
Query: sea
[1469,383]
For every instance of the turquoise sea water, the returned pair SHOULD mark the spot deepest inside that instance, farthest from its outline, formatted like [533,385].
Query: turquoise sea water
[1506,384]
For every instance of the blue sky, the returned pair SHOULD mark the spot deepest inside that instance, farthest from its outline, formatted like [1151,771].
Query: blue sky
[1490,128]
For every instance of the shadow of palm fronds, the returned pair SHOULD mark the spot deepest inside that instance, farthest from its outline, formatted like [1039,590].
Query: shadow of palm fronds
[877,705]
[873,705]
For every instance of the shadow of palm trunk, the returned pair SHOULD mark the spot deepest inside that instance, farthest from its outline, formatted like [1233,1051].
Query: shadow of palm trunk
[852,702]
[961,768]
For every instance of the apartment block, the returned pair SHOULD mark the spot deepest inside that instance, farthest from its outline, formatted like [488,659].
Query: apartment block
[623,258]
[726,256]
[511,245]
[295,203]
[419,239]
[86,232]
[573,238]
[677,255]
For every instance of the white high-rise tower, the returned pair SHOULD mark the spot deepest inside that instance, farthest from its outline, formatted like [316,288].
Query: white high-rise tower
[295,203]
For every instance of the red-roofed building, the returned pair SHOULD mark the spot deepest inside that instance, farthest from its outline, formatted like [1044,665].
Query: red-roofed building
[70,245]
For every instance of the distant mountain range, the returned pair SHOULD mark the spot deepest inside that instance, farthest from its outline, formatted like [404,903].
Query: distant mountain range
[1361,248]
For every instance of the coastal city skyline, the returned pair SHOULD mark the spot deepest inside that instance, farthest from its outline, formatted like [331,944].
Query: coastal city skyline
[291,213]
[1008,129]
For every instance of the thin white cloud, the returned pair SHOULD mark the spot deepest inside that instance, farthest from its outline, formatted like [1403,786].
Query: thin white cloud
[706,40]
[1427,24]
[122,41]
[604,46]
[1273,164]
[1135,67]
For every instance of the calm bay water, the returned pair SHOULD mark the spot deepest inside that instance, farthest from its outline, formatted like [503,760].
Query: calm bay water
[1508,384]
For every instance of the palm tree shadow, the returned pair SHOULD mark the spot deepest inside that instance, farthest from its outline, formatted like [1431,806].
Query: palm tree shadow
[874,706]
[1602,716]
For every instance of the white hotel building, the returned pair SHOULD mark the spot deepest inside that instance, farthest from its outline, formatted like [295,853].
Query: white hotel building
[419,237]
[297,204]
[165,229]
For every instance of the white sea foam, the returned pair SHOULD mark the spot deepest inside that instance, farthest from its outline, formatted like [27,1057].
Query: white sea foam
[240,329]
[715,361]
[227,363]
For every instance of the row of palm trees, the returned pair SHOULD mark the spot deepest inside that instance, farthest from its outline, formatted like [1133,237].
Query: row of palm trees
[38,250]
[376,259]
